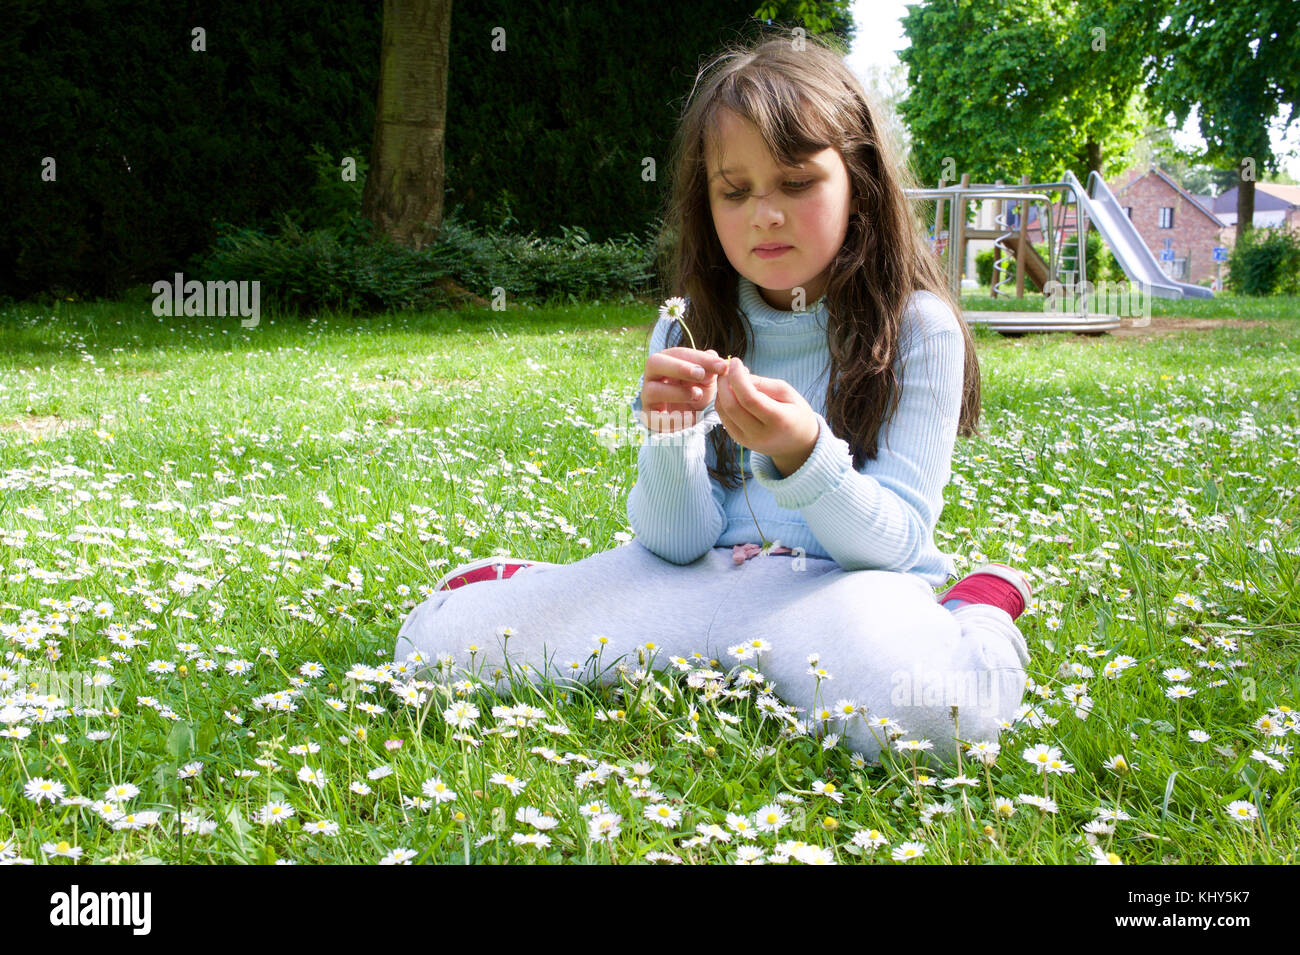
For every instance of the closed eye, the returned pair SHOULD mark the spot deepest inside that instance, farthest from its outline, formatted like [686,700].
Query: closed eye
[796,186]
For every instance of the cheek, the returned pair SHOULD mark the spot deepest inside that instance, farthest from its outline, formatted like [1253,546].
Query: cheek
[826,216]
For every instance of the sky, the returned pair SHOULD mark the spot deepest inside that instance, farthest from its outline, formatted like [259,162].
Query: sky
[880,36]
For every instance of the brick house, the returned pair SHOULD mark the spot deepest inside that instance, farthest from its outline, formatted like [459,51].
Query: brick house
[1167,216]
[1275,205]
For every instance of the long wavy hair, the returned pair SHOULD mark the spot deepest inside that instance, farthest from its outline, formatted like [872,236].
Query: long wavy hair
[803,99]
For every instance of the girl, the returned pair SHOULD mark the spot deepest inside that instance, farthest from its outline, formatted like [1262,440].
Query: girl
[850,379]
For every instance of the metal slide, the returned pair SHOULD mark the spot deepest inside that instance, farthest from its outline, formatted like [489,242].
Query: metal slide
[1105,212]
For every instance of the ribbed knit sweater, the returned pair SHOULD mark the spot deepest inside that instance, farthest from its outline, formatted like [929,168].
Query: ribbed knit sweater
[881,517]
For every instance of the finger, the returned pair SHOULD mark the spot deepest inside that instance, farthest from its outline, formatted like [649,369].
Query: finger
[673,391]
[777,388]
[752,401]
[684,363]
[742,420]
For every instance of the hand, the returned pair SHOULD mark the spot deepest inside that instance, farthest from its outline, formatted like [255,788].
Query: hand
[767,415]
[671,395]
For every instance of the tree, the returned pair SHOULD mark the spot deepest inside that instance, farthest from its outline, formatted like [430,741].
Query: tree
[1237,64]
[404,188]
[1020,87]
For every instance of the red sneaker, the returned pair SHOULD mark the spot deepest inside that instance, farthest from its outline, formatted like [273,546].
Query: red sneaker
[994,584]
[485,568]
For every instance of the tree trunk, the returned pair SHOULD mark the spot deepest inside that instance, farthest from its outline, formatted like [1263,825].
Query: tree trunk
[1245,206]
[1094,158]
[404,187]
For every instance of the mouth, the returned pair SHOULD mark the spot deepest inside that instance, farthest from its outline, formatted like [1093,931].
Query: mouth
[770,250]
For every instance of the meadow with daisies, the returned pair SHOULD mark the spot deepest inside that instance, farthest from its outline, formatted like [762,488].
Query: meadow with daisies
[210,534]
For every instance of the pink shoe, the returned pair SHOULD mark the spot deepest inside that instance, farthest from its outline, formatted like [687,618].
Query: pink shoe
[485,568]
[994,584]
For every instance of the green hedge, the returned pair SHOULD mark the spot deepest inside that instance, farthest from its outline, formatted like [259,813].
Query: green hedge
[1265,261]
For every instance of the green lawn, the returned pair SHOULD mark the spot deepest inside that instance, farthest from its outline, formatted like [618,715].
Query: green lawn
[230,524]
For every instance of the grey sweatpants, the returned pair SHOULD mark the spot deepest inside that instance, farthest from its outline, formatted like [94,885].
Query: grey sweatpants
[886,643]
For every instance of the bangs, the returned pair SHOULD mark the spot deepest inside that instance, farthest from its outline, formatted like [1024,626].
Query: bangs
[792,127]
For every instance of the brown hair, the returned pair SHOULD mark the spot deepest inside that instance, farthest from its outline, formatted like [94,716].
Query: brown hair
[803,99]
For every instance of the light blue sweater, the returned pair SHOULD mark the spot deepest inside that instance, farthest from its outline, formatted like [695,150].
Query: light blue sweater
[882,517]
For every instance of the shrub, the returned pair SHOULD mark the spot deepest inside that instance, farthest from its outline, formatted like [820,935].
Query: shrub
[984,268]
[343,267]
[1265,261]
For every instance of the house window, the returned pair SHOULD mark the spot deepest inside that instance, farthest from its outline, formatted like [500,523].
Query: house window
[1166,217]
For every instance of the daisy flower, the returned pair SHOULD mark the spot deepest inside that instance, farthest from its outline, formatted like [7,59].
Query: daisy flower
[604,826]
[1112,815]
[908,851]
[912,745]
[749,855]
[1267,760]
[62,848]
[513,783]
[868,839]
[813,855]
[1042,803]
[538,840]
[274,812]
[1041,755]
[828,790]
[437,790]
[311,776]
[667,816]
[322,827]
[121,792]
[741,825]
[38,789]
[1058,766]
[985,751]
[771,818]
[535,818]
[399,857]
[1117,764]
[1242,811]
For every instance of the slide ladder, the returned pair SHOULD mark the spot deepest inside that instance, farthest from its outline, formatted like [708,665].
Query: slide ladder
[1100,206]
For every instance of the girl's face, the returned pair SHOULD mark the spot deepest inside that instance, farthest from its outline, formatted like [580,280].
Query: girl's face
[757,204]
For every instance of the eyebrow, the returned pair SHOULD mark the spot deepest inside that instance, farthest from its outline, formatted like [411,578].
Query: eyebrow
[801,166]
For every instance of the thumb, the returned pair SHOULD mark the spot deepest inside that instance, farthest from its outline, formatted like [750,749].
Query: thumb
[777,388]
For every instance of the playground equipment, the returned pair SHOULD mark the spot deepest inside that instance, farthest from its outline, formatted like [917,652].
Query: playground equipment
[1065,269]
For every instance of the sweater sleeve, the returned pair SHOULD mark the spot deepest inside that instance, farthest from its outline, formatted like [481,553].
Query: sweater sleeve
[674,508]
[882,517]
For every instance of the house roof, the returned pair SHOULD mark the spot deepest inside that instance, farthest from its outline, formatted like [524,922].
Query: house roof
[1157,171]
[1269,197]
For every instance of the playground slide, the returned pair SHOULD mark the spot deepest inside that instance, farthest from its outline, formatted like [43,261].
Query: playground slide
[1105,212]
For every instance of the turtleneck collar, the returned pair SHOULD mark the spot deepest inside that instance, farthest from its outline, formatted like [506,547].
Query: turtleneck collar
[760,314]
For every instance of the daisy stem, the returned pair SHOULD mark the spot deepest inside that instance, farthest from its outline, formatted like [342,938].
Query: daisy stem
[1119,793]
[745,487]
[19,755]
[743,484]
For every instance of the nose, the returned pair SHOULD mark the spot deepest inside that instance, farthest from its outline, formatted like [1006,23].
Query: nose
[767,211]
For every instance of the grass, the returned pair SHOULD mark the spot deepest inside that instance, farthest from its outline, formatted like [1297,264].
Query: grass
[232,523]
[1223,305]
